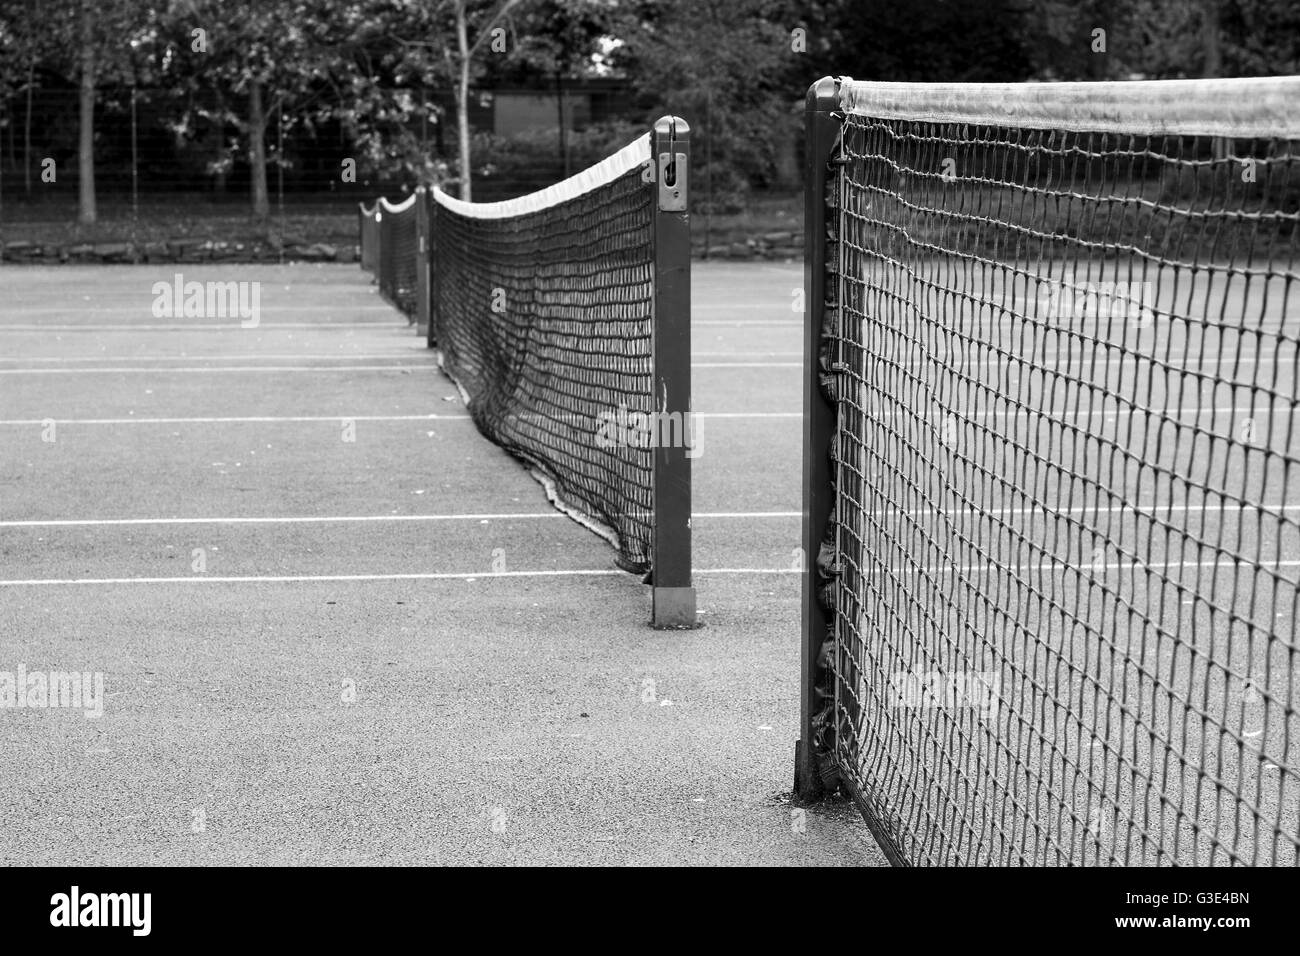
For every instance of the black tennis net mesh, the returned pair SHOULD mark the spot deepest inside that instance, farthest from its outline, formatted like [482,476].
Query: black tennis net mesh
[398,248]
[543,310]
[1062,572]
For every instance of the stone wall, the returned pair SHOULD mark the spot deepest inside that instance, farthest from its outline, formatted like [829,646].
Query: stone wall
[177,250]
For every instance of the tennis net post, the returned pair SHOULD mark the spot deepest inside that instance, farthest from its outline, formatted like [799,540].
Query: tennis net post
[369,233]
[673,600]
[423,219]
[361,234]
[822,130]
[384,254]
[1042,536]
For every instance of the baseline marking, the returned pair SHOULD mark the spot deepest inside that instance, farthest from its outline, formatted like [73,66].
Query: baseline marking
[216,368]
[346,519]
[232,326]
[123,370]
[272,419]
[254,356]
[419,576]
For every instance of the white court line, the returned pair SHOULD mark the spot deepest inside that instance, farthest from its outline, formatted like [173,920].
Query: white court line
[1048,417]
[304,519]
[251,419]
[1036,363]
[747,323]
[1208,511]
[749,414]
[396,325]
[354,519]
[273,419]
[1137,510]
[95,308]
[125,370]
[747,514]
[747,365]
[244,356]
[270,419]
[425,576]
[776,302]
[395,358]
[271,356]
[1084,569]
[131,370]
[231,326]
[746,571]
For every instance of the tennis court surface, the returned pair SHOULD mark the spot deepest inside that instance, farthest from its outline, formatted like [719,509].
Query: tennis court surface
[1033,435]
[337,625]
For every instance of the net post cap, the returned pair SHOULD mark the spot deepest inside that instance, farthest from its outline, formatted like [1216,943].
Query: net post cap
[673,126]
[824,94]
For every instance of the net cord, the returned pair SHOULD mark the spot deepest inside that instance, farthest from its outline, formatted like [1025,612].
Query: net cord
[606,171]
[1244,108]
[402,206]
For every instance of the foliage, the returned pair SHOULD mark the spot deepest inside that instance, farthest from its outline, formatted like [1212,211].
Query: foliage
[385,72]
[724,66]
[531,160]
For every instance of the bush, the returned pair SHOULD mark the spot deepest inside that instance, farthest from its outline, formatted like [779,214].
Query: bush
[507,166]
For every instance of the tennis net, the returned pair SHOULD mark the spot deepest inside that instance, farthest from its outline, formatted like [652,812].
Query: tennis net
[564,318]
[398,249]
[1052,469]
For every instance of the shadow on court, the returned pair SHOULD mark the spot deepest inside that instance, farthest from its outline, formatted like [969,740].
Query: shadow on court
[336,625]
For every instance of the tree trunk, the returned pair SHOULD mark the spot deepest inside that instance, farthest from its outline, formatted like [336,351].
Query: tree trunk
[564,143]
[219,160]
[86,213]
[221,156]
[257,151]
[1213,64]
[27,129]
[1210,38]
[462,100]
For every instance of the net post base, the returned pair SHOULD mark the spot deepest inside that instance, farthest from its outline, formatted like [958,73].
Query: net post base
[673,608]
[807,781]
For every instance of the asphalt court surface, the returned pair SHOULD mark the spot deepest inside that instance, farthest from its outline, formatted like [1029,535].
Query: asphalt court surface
[239,527]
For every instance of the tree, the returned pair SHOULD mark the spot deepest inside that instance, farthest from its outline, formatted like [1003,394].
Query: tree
[559,40]
[86,211]
[91,42]
[725,67]
[476,25]
[105,31]
[951,41]
[23,45]
[247,61]
[1164,39]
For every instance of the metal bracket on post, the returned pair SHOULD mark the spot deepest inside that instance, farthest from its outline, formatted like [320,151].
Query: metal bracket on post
[672,181]
[674,595]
